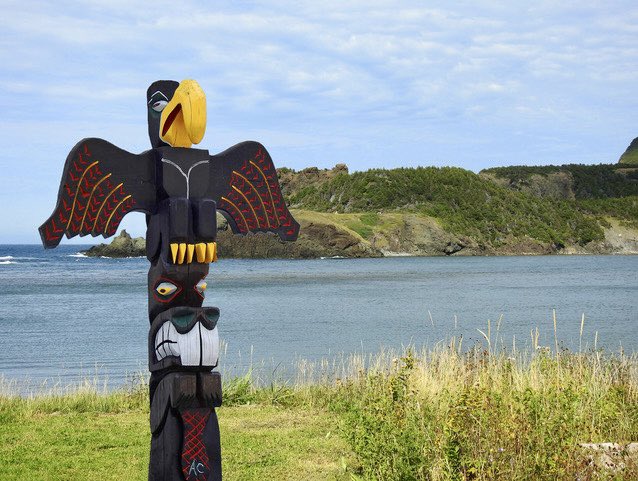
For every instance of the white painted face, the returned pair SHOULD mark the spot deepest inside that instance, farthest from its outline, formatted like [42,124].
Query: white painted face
[198,347]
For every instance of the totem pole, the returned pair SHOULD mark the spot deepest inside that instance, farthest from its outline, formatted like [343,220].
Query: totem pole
[180,189]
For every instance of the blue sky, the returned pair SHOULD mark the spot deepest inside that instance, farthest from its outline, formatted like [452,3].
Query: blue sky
[369,83]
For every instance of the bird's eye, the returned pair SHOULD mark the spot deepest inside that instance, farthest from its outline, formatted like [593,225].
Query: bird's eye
[159,105]
[201,287]
[165,289]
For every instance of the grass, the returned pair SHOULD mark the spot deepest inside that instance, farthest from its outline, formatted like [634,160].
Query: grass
[87,434]
[486,413]
[630,158]
[348,222]
[364,225]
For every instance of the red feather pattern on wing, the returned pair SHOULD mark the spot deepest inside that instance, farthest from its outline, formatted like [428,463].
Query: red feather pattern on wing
[90,203]
[254,199]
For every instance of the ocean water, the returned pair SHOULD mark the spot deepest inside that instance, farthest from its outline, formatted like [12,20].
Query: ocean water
[64,317]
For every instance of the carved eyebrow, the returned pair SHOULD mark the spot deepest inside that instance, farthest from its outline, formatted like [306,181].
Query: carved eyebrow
[158,92]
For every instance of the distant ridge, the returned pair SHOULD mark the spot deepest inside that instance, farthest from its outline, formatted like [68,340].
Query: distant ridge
[631,154]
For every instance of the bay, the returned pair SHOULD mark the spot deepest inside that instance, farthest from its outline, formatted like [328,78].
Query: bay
[64,317]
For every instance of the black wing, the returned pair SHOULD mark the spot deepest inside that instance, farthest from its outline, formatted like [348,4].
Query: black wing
[244,184]
[100,184]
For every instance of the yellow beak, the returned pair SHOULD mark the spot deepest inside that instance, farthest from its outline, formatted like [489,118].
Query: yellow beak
[183,120]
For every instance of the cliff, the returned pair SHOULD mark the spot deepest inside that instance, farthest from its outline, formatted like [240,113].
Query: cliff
[122,246]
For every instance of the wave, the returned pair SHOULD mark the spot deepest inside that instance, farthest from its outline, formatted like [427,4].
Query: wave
[77,254]
[12,259]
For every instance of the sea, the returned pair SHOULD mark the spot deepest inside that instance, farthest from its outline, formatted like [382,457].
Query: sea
[66,318]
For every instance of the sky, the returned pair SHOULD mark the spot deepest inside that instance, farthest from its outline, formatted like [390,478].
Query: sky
[367,83]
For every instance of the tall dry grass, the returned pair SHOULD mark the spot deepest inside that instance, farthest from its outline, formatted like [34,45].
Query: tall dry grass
[486,413]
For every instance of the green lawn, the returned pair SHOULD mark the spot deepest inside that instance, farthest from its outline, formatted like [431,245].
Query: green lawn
[258,442]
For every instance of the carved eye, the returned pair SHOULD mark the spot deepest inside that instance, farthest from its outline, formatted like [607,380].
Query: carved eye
[159,105]
[201,287]
[165,289]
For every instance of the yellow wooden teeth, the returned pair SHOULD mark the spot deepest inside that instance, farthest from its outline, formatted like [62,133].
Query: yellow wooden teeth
[182,253]
[211,252]
[201,252]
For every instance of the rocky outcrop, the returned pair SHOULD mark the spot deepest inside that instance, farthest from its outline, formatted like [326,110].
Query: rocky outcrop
[419,235]
[122,246]
[619,239]
[609,458]
[292,181]
[316,239]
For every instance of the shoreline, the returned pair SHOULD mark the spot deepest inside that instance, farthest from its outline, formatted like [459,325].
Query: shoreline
[11,260]
[326,235]
[400,255]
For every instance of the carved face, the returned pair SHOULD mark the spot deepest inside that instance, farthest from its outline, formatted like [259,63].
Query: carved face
[182,332]
[186,337]
[173,285]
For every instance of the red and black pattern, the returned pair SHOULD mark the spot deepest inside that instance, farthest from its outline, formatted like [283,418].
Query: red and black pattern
[113,207]
[100,206]
[75,185]
[195,462]
[252,198]
[101,183]
[97,191]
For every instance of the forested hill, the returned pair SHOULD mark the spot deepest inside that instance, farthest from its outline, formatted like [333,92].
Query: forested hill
[539,209]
